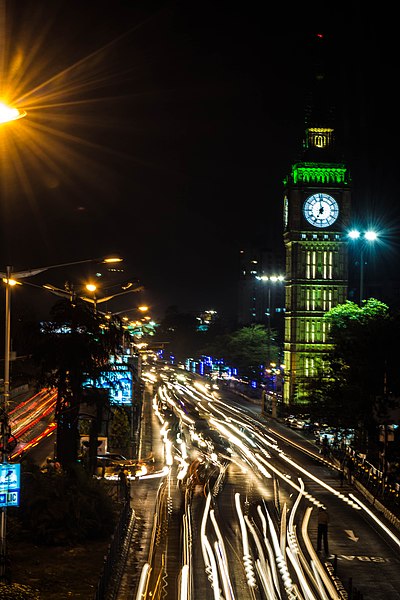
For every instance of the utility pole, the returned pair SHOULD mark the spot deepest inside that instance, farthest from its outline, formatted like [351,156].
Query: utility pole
[5,428]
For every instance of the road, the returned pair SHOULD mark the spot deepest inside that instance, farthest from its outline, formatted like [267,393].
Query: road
[232,511]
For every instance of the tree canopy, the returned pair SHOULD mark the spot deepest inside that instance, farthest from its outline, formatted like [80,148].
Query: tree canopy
[247,349]
[362,366]
[75,345]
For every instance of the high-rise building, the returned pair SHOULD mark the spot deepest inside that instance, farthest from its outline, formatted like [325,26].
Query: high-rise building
[260,298]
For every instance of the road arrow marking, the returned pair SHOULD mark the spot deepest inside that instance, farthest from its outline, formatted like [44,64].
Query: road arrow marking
[351,535]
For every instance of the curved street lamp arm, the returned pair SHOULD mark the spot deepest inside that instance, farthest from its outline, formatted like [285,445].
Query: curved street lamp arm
[98,300]
[31,272]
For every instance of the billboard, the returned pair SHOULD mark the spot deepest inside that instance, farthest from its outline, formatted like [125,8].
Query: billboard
[10,486]
[118,381]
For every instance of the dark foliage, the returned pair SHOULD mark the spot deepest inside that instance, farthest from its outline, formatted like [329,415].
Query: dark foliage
[75,345]
[179,331]
[63,508]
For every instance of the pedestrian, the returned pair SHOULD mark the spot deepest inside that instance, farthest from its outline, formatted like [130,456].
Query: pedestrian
[325,446]
[350,466]
[341,475]
[322,536]
[123,481]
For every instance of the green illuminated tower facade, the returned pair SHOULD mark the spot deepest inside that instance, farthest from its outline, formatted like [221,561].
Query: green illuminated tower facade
[316,215]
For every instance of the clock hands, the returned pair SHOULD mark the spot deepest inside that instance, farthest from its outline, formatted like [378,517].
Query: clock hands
[321,210]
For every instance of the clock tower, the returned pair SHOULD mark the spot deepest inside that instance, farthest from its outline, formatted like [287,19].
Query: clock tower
[316,213]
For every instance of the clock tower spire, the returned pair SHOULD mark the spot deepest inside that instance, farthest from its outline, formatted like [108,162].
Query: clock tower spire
[316,214]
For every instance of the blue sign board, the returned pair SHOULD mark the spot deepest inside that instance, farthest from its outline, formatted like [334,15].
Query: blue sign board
[10,484]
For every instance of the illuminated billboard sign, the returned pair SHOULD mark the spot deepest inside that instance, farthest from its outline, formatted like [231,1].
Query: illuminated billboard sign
[10,484]
[118,382]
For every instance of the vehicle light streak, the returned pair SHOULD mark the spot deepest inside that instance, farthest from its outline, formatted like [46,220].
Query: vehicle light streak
[272,564]
[237,442]
[184,583]
[264,574]
[349,501]
[283,528]
[40,394]
[304,585]
[32,443]
[164,471]
[378,521]
[296,556]
[205,544]
[247,559]
[168,453]
[279,557]
[184,593]
[305,450]
[263,570]
[320,585]
[228,592]
[291,536]
[212,571]
[222,560]
[315,562]
[219,536]
[143,582]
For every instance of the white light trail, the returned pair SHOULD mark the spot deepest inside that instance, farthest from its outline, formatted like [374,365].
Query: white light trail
[378,521]
[315,562]
[184,591]
[247,559]
[143,581]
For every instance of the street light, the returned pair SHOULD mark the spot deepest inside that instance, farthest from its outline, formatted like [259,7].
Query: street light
[365,238]
[10,279]
[91,287]
[271,279]
[7,114]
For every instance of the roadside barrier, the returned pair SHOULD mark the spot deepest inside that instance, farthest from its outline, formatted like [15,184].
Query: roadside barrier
[109,573]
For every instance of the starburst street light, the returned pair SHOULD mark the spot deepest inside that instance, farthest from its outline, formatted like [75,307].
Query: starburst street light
[365,238]
[9,113]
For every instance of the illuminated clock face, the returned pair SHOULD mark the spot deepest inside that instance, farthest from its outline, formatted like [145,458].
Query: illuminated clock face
[321,210]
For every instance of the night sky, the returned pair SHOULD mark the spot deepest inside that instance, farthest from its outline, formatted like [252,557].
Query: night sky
[163,131]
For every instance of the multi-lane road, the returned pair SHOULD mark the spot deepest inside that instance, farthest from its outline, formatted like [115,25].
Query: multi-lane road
[232,512]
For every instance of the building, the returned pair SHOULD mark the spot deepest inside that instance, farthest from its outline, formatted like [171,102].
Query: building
[261,299]
[316,213]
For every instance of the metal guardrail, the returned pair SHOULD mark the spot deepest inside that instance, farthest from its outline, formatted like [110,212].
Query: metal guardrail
[114,553]
[375,481]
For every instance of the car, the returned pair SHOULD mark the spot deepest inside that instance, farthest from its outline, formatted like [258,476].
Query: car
[111,463]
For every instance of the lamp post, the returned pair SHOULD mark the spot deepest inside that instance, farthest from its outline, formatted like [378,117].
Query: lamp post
[92,288]
[7,114]
[270,279]
[365,238]
[10,279]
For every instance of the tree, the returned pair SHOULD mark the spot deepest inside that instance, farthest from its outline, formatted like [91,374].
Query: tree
[179,330]
[72,348]
[61,508]
[363,364]
[120,431]
[247,350]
